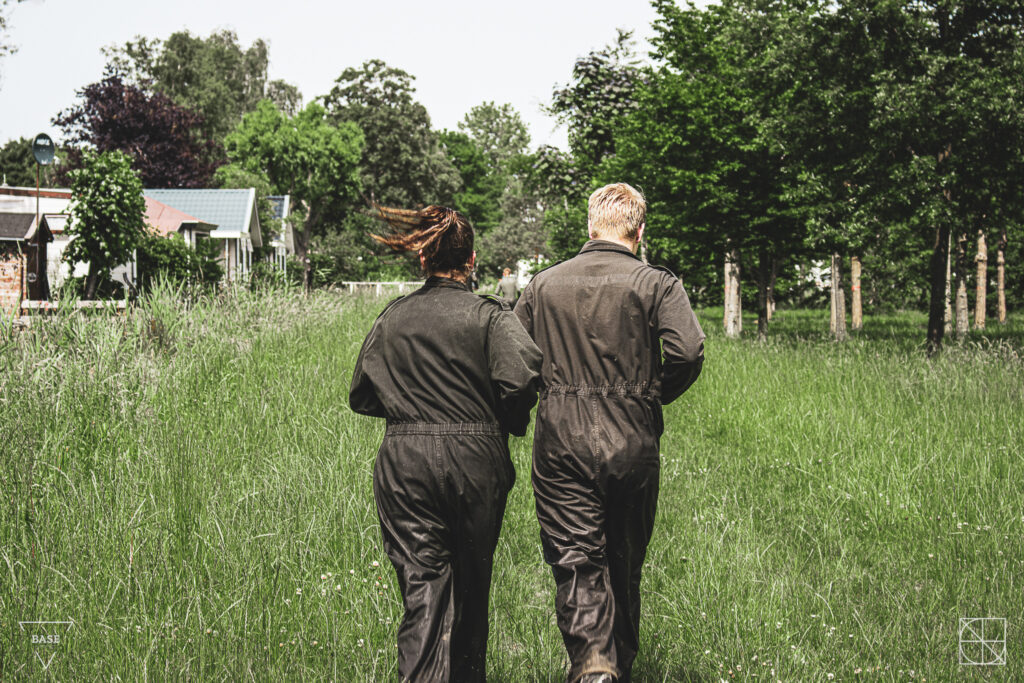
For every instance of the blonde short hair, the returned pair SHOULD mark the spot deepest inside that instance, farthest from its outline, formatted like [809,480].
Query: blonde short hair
[617,211]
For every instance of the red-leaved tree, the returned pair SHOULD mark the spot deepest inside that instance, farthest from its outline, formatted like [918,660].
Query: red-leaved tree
[159,136]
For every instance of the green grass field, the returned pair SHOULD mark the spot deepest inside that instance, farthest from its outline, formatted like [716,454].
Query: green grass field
[188,486]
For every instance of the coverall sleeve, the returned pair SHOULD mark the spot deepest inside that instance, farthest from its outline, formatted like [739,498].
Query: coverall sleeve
[682,341]
[524,309]
[514,362]
[362,395]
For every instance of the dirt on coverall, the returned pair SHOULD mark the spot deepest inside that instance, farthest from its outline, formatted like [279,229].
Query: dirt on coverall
[454,374]
[619,340]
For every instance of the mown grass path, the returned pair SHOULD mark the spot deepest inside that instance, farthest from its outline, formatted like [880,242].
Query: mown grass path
[191,489]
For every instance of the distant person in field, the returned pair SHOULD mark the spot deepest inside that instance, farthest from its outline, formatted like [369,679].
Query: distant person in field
[454,374]
[619,340]
[508,287]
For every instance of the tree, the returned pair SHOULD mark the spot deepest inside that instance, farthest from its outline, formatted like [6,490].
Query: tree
[480,195]
[498,131]
[601,93]
[162,138]
[946,90]
[108,214]
[561,186]
[520,234]
[18,165]
[6,48]
[214,76]
[171,258]
[306,156]
[700,140]
[402,161]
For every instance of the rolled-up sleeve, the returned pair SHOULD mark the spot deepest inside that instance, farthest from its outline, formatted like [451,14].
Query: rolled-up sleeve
[682,341]
[514,362]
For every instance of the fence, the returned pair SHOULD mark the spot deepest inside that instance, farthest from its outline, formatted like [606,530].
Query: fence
[378,288]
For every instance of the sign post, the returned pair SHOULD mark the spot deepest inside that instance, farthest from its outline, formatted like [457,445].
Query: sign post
[42,150]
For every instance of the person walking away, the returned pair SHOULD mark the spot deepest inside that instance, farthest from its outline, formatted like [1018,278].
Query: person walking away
[508,287]
[619,341]
[454,374]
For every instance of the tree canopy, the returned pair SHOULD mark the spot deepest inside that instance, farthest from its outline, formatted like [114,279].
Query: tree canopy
[215,76]
[162,138]
[402,161]
[108,214]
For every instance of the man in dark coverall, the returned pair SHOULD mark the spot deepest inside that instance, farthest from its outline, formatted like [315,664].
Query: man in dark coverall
[619,340]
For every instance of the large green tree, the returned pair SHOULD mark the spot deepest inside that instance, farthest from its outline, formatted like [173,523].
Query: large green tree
[498,131]
[107,215]
[603,90]
[307,156]
[402,161]
[215,75]
[950,116]
[479,196]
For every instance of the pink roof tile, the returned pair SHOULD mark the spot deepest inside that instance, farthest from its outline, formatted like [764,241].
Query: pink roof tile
[166,220]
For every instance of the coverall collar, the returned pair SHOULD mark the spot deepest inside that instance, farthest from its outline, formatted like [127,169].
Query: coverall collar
[605,245]
[437,281]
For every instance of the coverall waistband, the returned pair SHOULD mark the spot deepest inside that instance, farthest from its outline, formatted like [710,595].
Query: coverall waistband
[628,389]
[437,428]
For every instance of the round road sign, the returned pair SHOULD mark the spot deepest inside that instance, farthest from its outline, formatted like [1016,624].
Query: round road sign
[42,149]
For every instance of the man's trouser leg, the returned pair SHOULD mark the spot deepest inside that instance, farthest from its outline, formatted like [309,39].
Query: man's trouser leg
[569,509]
[629,520]
[440,506]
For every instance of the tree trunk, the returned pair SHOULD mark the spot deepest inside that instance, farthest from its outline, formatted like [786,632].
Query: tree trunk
[939,295]
[837,307]
[960,279]
[948,315]
[771,288]
[733,300]
[92,280]
[764,269]
[1001,278]
[856,310]
[981,282]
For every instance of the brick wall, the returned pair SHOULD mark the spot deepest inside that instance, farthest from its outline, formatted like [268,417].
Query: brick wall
[10,278]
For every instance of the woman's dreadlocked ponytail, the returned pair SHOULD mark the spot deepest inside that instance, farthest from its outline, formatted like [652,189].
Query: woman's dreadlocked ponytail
[444,236]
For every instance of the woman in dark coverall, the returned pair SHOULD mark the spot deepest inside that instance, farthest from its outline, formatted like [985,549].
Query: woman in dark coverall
[454,374]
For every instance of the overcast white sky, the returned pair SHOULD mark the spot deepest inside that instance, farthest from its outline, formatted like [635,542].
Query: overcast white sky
[462,52]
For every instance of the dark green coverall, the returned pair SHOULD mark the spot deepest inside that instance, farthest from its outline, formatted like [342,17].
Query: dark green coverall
[454,374]
[619,340]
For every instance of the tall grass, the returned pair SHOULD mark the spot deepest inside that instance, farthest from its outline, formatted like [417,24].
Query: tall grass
[187,484]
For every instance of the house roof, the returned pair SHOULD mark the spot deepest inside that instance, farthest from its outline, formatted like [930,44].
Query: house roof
[15,226]
[232,211]
[51,192]
[167,220]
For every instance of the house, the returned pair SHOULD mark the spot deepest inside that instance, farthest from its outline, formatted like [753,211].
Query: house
[54,207]
[23,263]
[233,212]
[166,221]
[283,242]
